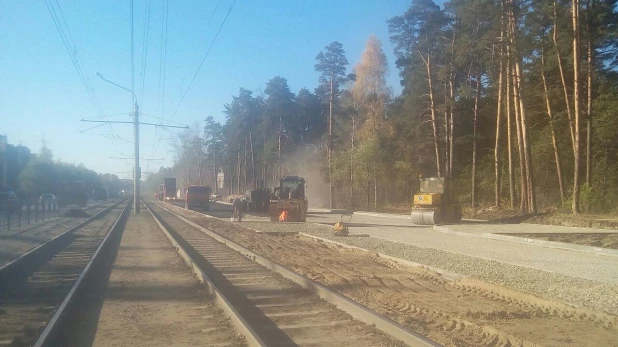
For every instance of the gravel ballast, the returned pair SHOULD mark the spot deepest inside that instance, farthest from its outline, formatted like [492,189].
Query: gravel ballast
[577,291]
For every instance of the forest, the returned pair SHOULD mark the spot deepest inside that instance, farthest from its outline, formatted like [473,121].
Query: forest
[30,175]
[515,102]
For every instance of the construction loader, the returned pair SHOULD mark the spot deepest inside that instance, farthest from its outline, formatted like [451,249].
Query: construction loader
[289,196]
[434,203]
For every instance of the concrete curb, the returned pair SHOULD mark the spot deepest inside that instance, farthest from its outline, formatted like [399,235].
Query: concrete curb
[406,216]
[383,215]
[447,274]
[531,241]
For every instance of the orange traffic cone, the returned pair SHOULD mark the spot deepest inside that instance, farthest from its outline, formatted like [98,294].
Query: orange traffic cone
[283,217]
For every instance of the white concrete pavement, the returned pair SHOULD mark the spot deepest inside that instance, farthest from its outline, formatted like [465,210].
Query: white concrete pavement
[596,267]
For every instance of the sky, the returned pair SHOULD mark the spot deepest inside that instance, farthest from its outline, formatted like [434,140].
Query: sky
[42,96]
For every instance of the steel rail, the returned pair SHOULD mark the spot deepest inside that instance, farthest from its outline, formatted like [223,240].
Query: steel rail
[13,266]
[51,220]
[62,313]
[219,296]
[345,304]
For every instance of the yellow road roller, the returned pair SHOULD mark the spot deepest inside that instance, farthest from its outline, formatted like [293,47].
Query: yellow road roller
[434,203]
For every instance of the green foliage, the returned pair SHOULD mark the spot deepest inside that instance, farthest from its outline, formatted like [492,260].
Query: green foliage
[382,142]
[593,200]
[331,64]
[31,175]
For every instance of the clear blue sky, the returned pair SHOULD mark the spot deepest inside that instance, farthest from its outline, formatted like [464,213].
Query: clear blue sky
[41,94]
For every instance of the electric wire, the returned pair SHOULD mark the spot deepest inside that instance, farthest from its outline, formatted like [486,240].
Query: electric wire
[145,48]
[204,58]
[68,43]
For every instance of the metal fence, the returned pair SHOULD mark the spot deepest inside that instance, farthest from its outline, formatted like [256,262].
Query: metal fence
[16,213]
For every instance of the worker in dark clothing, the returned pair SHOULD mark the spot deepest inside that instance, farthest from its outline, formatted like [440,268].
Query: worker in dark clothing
[238,208]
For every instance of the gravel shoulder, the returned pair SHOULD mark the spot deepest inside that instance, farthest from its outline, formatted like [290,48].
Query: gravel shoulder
[574,290]
[152,299]
[560,261]
[463,312]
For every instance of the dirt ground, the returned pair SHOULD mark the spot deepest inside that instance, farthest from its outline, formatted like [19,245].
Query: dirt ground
[548,218]
[152,299]
[454,313]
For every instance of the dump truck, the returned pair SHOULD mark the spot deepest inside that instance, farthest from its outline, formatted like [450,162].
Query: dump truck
[434,202]
[197,196]
[169,188]
[290,197]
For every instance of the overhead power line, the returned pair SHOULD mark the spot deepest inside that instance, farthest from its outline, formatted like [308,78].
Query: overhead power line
[163,57]
[67,40]
[207,26]
[145,48]
[204,58]
[162,67]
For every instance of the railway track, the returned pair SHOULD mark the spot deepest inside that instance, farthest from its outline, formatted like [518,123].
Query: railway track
[271,305]
[38,289]
[38,221]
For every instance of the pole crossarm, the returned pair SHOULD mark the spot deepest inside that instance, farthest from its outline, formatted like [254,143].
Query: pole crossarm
[130,122]
[127,158]
[106,121]
[165,126]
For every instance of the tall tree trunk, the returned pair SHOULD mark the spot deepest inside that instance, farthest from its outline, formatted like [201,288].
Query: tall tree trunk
[245,185]
[368,187]
[230,188]
[520,146]
[497,170]
[238,170]
[605,168]
[474,134]
[279,164]
[451,132]
[447,146]
[375,187]
[264,156]
[199,160]
[590,56]
[253,175]
[330,143]
[352,164]
[551,127]
[531,196]
[509,132]
[576,99]
[216,177]
[562,76]
[451,92]
[434,118]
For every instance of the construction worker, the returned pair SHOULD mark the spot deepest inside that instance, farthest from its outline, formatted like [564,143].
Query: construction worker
[238,207]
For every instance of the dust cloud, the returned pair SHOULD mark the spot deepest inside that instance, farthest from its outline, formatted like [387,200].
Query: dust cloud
[308,163]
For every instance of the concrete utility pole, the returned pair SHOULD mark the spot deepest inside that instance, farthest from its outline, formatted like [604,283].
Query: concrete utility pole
[5,147]
[137,172]
[136,168]
[330,144]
